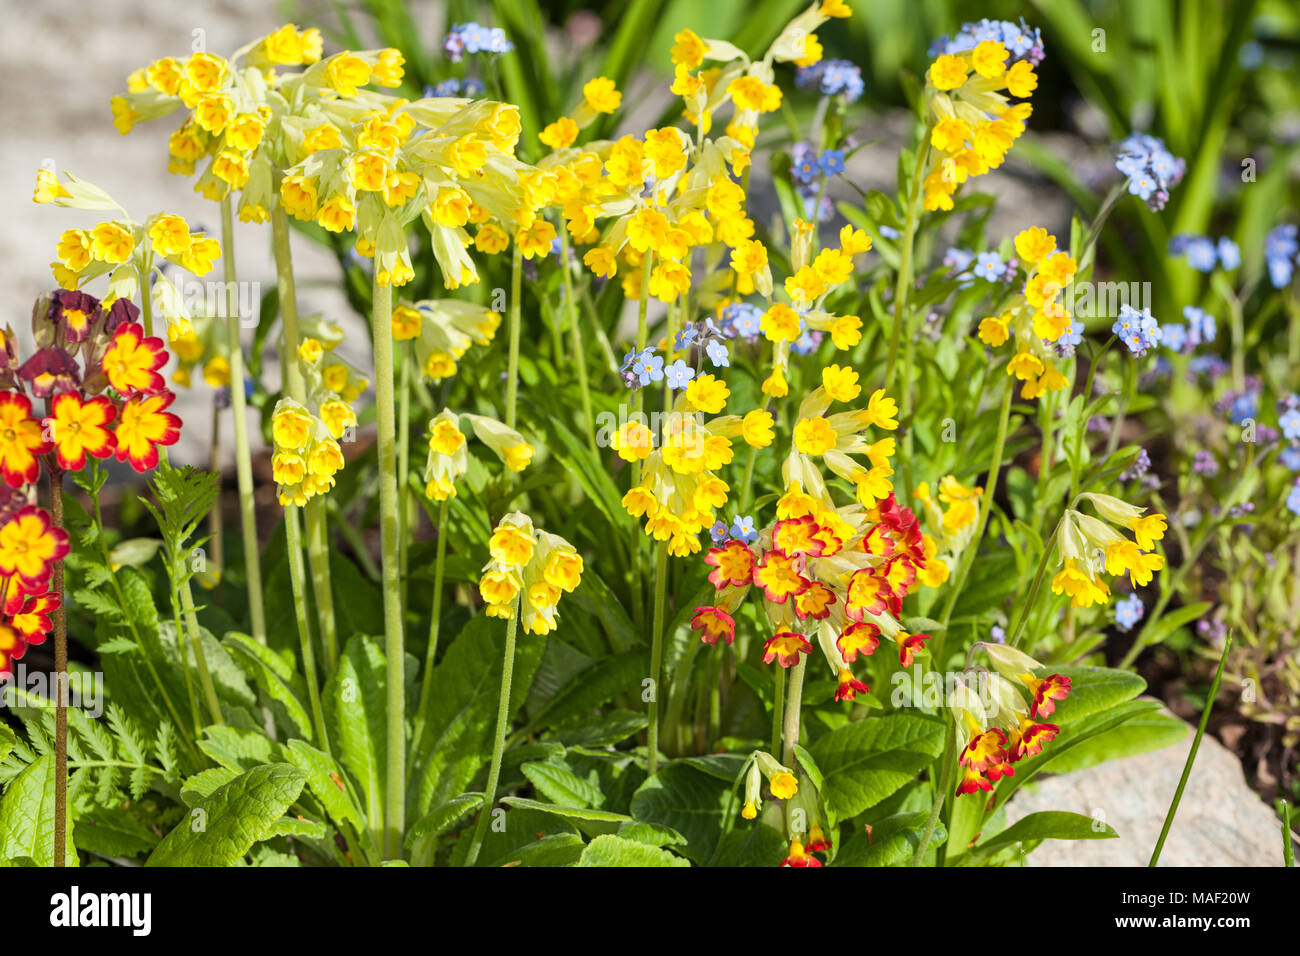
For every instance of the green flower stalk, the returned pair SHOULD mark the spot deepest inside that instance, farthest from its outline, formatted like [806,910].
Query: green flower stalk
[394,643]
[243,454]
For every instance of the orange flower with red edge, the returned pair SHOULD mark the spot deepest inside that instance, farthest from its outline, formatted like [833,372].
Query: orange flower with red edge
[29,545]
[908,645]
[145,424]
[714,624]
[78,428]
[799,856]
[133,361]
[29,614]
[861,637]
[815,602]
[1046,692]
[778,576]
[1028,739]
[21,439]
[849,687]
[12,647]
[785,647]
[733,564]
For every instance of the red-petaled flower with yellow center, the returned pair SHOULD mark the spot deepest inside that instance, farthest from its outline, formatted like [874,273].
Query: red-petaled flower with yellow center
[733,564]
[785,647]
[848,686]
[861,637]
[21,439]
[777,575]
[1027,740]
[132,361]
[29,545]
[908,645]
[145,424]
[12,647]
[1046,692]
[714,624]
[79,428]
[815,602]
[799,856]
[984,754]
[29,614]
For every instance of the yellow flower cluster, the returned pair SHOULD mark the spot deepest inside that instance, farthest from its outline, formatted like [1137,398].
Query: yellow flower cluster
[679,492]
[122,248]
[531,565]
[448,459]
[1037,316]
[811,280]
[972,122]
[1090,545]
[836,438]
[953,525]
[443,331]
[203,346]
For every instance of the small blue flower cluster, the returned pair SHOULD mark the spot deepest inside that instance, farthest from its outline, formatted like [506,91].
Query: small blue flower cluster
[741,320]
[647,366]
[807,168]
[1242,405]
[1152,171]
[1293,498]
[1205,254]
[1141,465]
[474,38]
[741,529]
[1282,253]
[1200,328]
[832,78]
[1138,330]
[1024,42]
[468,88]
[1128,612]
[984,265]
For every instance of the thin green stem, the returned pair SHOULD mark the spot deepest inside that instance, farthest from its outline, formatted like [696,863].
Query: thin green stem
[318,557]
[793,703]
[60,682]
[1117,426]
[516,305]
[778,701]
[394,645]
[243,454]
[657,651]
[405,359]
[499,744]
[904,284]
[940,792]
[439,564]
[298,582]
[575,330]
[200,658]
[1191,756]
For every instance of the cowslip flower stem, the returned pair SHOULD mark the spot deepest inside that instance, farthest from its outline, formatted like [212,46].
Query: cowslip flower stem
[1049,548]
[793,702]
[243,455]
[986,503]
[218,551]
[642,337]
[512,371]
[575,330]
[405,358]
[940,792]
[498,745]
[426,687]
[905,274]
[1191,754]
[292,528]
[657,652]
[60,682]
[200,659]
[394,649]
[778,701]
[314,510]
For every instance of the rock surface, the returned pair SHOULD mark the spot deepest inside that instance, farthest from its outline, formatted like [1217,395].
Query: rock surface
[1220,821]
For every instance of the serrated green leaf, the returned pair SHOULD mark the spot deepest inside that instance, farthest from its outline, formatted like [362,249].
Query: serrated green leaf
[27,816]
[866,761]
[442,818]
[233,818]
[561,786]
[609,850]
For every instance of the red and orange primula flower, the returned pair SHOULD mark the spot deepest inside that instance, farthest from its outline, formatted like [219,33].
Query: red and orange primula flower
[22,439]
[145,424]
[79,427]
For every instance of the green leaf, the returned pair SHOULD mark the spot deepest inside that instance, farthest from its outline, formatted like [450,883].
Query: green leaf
[233,818]
[1092,690]
[442,818]
[603,731]
[688,801]
[611,850]
[562,786]
[1139,735]
[276,678]
[754,845]
[866,761]
[326,783]
[1048,825]
[592,687]
[652,834]
[357,704]
[27,816]
[1172,621]
[586,814]
[112,831]
[892,842]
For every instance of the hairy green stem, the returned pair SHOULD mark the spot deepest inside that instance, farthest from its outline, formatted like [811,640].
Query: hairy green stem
[394,645]
[904,283]
[435,616]
[243,454]
[940,792]
[657,651]
[575,330]
[499,743]
[516,305]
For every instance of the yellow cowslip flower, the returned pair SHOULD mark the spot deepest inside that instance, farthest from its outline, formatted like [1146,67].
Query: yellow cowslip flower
[559,134]
[601,96]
